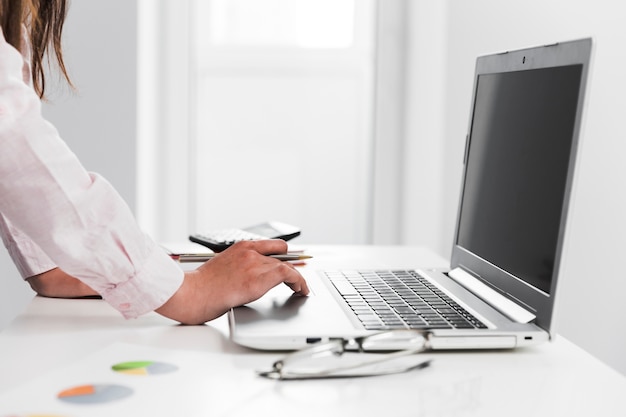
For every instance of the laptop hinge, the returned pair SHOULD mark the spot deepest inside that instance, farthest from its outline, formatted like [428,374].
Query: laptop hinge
[504,305]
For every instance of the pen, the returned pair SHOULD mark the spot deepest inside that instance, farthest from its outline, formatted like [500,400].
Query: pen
[207,256]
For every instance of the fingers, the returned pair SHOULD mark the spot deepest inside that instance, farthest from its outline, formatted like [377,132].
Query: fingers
[287,274]
[262,272]
[264,247]
[299,286]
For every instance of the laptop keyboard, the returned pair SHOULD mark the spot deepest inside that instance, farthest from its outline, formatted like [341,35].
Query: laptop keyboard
[386,300]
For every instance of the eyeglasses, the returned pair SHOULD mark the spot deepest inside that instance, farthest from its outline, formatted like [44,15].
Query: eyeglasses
[355,357]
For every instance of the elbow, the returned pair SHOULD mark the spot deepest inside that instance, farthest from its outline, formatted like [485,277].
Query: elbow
[39,286]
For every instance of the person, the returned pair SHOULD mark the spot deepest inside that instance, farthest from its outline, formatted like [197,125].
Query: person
[68,231]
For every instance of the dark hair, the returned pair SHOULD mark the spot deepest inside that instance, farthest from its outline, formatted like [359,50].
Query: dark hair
[44,19]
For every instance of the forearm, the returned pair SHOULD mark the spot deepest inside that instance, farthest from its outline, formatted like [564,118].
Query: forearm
[58,284]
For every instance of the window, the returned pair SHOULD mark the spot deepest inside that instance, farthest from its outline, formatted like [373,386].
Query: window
[257,110]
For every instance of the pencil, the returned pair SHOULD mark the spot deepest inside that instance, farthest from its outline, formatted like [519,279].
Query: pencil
[208,256]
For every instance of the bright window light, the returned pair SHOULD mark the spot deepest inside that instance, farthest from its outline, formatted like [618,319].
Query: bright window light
[324,24]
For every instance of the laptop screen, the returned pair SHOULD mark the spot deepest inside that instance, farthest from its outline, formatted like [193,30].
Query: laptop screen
[517,169]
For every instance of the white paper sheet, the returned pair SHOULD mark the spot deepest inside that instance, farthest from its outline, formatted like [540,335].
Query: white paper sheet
[190,383]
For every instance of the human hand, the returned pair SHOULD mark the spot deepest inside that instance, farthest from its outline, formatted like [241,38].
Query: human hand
[239,275]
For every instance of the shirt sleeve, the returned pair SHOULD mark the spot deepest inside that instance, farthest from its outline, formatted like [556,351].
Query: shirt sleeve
[29,259]
[54,207]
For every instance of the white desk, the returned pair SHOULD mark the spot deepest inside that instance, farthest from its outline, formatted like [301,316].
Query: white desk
[555,379]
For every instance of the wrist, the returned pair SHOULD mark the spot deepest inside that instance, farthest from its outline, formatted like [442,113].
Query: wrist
[189,305]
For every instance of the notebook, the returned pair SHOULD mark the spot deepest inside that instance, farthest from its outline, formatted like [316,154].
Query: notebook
[500,288]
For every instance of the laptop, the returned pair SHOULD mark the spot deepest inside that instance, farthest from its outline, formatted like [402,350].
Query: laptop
[500,288]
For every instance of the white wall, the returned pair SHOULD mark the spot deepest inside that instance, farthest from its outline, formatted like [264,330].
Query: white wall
[447,36]
[98,121]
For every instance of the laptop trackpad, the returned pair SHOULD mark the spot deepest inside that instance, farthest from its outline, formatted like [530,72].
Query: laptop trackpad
[281,316]
[273,308]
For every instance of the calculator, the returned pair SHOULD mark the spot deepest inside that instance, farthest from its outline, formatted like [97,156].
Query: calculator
[219,240]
